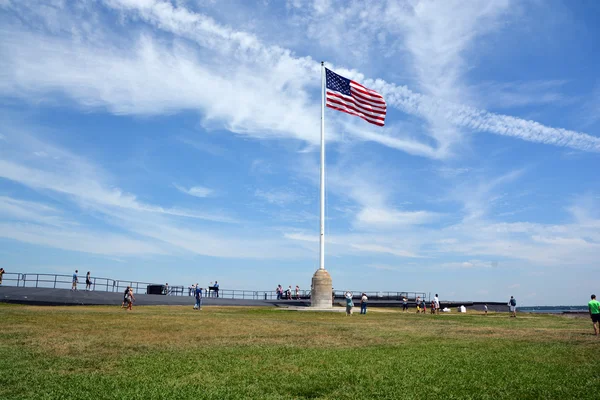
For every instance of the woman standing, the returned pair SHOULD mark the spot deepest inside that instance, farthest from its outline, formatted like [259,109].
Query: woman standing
[88,281]
[349,303]
[129,298]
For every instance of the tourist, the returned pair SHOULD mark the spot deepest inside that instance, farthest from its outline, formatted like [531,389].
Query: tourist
[216,289]
[432,306]
[485,309]
[594,309]
[297,292]
[404,304]
[88,281]
[198,292]
[167,288]
[1,273]
[279,292]
[75,281]
[363,303]
[349,303]
[423,306]
[436,301]
[512,303]
[289,292]
[125,294]
[129,298]
[418,301]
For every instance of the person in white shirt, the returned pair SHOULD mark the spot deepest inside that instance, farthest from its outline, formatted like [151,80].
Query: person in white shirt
[363,303]
[436,301]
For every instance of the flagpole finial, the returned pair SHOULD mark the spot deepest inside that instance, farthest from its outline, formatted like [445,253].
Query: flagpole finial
[322,62]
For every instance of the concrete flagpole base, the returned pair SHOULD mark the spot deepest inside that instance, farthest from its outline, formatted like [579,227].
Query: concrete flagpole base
[321,290]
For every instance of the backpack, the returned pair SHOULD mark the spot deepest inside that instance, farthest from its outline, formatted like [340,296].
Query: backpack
[513,302]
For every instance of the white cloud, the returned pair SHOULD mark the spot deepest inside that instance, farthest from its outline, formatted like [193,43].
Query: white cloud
[153,77]
[196,191]
[79,240]
[377,248]
[277,197]
[467,264]
[385,217]
[11,208]
[519,94]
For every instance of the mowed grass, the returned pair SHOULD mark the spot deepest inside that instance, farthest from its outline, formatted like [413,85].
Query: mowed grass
[239,353]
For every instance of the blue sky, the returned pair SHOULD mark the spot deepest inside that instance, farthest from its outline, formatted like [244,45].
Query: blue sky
[179,142]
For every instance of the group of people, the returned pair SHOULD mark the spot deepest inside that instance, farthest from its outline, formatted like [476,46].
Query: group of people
[88,281]
[128,298]
[287,294]
[364,300]
[422,305]
[211,287]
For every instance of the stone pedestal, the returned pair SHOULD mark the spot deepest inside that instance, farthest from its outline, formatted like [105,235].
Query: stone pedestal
[320,295]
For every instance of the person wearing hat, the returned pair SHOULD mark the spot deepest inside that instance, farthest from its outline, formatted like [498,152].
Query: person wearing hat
[349,303]
[363,303]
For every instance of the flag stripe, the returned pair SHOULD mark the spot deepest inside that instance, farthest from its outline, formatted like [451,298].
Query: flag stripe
[351,102]
[367,93]
[380,104]
[337,103]
[366,88]
[372,108]
[378,123]
[353,98]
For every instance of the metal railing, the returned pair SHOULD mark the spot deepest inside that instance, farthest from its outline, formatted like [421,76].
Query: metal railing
[58,281]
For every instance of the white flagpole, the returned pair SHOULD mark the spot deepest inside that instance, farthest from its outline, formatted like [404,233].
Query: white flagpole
[322,241]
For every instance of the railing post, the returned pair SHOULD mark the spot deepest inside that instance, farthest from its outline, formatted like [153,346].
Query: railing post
[55,281]
[24,280]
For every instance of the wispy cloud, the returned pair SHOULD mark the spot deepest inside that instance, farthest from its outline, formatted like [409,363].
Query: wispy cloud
[196,191]
[154,77]
[277,197]
[386,217]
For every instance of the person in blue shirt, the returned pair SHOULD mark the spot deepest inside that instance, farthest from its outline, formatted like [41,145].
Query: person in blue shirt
[216,289]
[512,303]
[198,305]
[349,303]
[75,281]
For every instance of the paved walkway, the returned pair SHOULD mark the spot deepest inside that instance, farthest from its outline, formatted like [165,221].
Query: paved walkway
[62,297]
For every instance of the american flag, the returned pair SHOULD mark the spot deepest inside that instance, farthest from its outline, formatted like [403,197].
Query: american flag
[353,98]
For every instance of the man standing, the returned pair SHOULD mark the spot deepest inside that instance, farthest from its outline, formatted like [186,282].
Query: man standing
[363,303]
[216,288]
[198,305]
[594,308]
[75,281]
[512,303]
[436,301]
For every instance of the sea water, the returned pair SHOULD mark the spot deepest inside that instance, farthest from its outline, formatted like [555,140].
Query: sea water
[553,309]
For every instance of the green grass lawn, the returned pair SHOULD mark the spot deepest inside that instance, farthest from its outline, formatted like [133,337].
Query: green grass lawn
[237,353]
